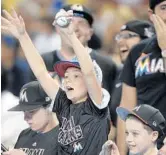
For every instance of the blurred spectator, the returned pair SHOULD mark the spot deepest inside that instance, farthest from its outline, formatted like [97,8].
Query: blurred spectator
[76,1]
[130,3]
[9,62]
[121,15]
[7,4]
[109,16]
[12,123]
[47,40]
[95,42]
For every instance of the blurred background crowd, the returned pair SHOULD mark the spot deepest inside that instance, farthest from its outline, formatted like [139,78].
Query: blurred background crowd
[109,16]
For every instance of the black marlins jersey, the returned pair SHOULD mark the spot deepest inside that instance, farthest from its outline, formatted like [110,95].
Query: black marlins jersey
[144,69]
[83,127]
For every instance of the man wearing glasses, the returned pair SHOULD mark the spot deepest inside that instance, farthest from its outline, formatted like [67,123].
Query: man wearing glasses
[130,34]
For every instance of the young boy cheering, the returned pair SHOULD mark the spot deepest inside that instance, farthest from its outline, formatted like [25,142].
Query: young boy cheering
[81,107]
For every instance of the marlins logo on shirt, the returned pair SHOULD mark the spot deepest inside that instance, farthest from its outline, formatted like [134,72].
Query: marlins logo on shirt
[145,65]
[77,147]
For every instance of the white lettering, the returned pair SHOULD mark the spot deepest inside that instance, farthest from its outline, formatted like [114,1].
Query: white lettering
[30,151]
[69,132]
[159,66]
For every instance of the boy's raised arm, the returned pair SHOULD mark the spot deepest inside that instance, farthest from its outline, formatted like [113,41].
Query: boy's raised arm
[85,61]
[14,25]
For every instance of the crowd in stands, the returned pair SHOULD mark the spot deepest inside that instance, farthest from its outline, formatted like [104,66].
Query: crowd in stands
[96,87]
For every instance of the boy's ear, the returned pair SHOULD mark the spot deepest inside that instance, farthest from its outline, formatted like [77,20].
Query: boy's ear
[155,135]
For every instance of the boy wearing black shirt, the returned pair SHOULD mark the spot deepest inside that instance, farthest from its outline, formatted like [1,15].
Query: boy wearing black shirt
[107,66]
[41,137]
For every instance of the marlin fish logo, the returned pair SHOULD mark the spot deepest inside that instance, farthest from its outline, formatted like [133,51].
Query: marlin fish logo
[77,147]
[23,95]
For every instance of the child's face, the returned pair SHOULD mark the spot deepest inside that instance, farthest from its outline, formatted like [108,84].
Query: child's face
[74,85]
[37,119]
[137,137]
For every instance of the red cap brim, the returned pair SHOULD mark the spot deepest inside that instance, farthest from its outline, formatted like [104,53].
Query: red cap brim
[61,67]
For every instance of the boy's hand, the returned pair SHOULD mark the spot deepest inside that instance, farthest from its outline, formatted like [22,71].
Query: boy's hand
[109,148]
[12,24]
[61,18]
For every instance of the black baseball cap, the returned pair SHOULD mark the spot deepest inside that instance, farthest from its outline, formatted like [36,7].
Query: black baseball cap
[32,97]
[80,11]
[153,3]
[147,114]
[141,27]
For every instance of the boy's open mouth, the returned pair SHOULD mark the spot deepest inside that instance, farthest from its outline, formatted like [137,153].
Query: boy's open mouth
[68,88]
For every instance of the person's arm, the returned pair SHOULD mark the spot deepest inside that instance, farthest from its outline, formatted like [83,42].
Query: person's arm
[87,68]
[128,98]
[14,25]
[128,101]
[85,61]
